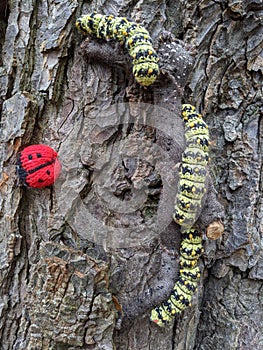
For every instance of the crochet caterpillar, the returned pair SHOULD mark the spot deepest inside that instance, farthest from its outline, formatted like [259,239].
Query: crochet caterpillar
[135,38]
[191,189]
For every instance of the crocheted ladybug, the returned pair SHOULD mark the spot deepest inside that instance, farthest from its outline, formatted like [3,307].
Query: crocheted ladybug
[38,166]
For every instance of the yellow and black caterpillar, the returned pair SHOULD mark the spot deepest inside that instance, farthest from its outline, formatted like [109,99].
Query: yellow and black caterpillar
[191,189]
[135,38]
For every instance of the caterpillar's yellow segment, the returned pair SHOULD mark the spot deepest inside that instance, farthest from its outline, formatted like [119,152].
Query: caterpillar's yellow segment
[187,203]
[198,141]
[187,109]
[191,189]
[195,156]
[192,236]
[196,127]
[183,217]
[190,251]
[160,316]
[193,172]
[191,274]
[136,39]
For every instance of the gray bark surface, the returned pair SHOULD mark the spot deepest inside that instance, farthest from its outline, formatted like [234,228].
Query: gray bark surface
[71,262]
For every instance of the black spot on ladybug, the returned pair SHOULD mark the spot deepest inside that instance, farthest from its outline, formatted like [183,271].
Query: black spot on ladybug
[48,172]
[30,157]
[39,155]
[40,180]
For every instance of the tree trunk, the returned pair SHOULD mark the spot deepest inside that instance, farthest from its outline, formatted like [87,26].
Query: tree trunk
[83,262]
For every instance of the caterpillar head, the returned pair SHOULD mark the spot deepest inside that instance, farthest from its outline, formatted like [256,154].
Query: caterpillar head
[146,73]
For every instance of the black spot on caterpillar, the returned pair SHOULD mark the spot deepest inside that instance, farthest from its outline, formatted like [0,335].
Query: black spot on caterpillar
[191,189]
[135,38]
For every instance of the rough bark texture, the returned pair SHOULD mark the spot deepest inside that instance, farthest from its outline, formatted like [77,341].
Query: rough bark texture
[66,250]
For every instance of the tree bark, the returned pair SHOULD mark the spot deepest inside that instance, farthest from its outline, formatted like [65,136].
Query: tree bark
[82,262]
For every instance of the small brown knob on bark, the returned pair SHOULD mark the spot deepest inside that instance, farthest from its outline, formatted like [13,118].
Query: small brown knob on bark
[215,230]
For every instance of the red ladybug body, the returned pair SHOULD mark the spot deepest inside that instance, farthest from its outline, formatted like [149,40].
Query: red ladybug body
[38,166]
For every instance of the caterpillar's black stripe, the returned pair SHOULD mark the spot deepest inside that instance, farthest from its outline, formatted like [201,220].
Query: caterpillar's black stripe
[191,189]
[135,37]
